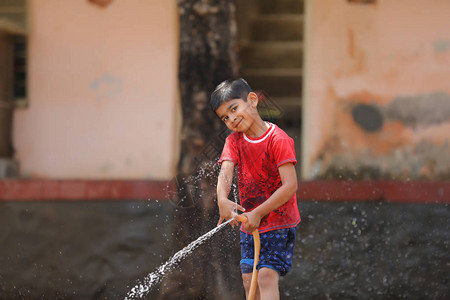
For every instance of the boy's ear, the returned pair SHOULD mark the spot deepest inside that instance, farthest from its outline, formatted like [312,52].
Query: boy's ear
[253,99]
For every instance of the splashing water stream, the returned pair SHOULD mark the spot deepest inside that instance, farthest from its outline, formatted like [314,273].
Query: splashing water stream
[152,279]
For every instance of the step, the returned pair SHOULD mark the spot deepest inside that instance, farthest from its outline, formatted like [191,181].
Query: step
[277,82]
[279,103]
[291,108]
[273,72]
[272,55]
[290,117]
[277,27]
[9,168]
[13,11]
[289,102]
[291,122]
[277,109]
[280,6]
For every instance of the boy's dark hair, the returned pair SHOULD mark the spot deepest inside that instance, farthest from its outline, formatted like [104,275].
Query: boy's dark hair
[228,90]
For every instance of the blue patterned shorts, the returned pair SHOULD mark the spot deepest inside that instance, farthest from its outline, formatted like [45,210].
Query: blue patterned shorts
[277,250]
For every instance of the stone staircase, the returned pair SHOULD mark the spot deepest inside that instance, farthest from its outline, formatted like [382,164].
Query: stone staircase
[271,39]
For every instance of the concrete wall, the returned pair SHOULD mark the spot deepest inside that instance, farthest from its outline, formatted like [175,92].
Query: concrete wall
[377,98]
[102,91]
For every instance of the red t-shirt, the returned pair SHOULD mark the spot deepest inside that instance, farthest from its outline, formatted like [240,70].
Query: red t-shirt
[258,160]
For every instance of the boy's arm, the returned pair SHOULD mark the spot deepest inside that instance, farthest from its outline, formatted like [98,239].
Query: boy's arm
[227,208]
[280,197]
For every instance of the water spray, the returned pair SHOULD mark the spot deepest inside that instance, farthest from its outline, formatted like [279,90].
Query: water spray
[143,288]
[154,278]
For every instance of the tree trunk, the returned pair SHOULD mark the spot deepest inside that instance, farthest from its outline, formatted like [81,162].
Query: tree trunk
[207,57]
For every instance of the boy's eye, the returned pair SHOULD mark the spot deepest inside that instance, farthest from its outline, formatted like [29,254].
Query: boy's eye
[224,119]
[234,109]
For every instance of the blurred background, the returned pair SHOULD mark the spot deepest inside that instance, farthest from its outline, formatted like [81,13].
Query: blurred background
[103,104]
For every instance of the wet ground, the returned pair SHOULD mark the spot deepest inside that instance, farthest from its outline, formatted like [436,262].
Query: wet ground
[97,250]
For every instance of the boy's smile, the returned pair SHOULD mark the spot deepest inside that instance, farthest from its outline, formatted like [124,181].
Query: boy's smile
[242,116]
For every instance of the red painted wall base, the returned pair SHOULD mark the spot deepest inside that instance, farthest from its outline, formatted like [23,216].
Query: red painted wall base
[392,191]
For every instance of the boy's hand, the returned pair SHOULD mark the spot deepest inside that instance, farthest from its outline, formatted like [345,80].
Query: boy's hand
[253,221]
[227,210]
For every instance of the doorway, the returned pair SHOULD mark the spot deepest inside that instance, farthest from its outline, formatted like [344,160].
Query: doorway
[271,57]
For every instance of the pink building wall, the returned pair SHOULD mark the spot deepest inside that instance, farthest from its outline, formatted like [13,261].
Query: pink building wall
[103,92]
[377,93]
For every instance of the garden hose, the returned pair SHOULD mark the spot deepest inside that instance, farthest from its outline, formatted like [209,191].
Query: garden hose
[257,243]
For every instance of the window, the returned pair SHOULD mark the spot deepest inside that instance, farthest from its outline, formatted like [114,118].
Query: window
[13,23]
[20,70]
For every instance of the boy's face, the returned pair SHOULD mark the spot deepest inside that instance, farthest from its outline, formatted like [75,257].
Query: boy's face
[239,115]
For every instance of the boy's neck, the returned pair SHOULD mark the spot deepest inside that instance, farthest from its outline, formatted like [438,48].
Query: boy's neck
[258,128]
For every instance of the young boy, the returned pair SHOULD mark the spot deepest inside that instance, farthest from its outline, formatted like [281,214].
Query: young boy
[265,157]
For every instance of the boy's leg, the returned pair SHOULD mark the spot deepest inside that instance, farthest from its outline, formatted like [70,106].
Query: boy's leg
[247,279]
[268,284]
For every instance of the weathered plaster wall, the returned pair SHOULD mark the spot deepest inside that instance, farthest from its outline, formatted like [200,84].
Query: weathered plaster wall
[102,91]
[377,98]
